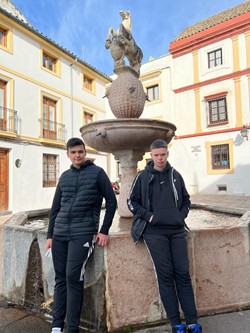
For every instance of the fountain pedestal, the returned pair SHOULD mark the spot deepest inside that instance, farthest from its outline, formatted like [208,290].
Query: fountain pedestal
[128,159]
[128,140]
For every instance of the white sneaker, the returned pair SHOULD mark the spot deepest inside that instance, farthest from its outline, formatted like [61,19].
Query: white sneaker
[56,330]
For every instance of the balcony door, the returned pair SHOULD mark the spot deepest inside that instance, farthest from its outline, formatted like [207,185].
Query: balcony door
[49,118]
[4,179]
[2,105]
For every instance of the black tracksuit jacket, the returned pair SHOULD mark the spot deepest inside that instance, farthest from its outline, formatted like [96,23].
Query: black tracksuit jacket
[161,194]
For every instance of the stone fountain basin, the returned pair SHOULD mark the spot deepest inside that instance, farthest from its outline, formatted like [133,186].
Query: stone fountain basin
[126,133]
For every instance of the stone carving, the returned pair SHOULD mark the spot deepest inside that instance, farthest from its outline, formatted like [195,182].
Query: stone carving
[126,94]
[122,44]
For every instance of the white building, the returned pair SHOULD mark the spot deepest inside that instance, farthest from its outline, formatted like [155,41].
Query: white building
[46,95]
[211,83]
[203,87]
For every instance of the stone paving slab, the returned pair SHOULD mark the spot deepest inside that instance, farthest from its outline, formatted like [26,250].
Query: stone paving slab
[17,321]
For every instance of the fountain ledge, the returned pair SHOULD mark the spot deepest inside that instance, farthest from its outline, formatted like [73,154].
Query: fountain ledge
[118,277]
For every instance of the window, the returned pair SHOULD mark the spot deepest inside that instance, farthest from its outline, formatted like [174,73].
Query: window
[153,92]
[50,170]
[3,109]
[49,118]
[217,111]
[215,58]
[88,118]
[49,62]
[88,83]
[3,37]
[220,157]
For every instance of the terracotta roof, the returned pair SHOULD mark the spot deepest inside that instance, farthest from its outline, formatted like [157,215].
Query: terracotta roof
[215,20]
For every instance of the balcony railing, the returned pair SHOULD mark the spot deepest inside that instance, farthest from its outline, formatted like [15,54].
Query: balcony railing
[9,120]
[52,130]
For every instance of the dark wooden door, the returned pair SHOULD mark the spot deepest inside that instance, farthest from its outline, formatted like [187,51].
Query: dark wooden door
[4,179]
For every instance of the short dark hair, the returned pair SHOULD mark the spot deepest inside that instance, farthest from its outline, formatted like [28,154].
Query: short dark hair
[158,144]
[75,142]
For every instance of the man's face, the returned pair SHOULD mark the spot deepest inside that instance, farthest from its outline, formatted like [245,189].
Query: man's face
[76,155]
[159,157]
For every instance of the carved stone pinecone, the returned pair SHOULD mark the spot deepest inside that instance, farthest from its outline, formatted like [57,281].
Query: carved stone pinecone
[126,94]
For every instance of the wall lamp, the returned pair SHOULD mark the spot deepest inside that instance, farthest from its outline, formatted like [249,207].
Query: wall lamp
[244,132]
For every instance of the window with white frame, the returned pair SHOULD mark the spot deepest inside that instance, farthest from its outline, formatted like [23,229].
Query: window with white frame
[214,58]
[217,109]
[153,92]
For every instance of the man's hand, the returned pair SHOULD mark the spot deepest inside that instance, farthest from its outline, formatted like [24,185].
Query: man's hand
[101,239]
[48,244]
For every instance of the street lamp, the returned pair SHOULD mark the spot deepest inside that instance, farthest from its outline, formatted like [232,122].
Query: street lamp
[244,132]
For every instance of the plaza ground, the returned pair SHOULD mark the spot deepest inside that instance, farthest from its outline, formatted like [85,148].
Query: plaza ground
[16,320]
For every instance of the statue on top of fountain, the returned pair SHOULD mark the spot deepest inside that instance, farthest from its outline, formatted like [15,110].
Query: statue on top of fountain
[122,44]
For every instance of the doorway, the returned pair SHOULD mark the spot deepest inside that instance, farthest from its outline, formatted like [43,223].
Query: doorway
[4,179]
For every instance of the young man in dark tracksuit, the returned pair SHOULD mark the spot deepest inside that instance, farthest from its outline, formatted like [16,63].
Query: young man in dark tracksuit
[158,195]
[73,231]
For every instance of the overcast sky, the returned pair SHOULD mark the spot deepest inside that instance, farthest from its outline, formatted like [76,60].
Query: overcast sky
[81,26]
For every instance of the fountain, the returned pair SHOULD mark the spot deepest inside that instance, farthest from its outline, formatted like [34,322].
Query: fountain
[117,296]
[127,137]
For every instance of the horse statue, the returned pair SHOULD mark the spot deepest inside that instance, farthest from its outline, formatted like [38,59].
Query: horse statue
[122,44]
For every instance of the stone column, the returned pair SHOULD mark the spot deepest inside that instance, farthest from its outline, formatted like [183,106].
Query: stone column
[128,159]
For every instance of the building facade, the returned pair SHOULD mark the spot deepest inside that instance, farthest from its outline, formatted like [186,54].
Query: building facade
[46,95]
[211,66]
[203,87]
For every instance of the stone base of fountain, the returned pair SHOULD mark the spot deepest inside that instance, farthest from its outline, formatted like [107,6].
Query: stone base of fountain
[118,277]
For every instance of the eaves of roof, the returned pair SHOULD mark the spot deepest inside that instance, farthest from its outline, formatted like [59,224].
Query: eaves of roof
[227,24]
[214,20]
[49,40]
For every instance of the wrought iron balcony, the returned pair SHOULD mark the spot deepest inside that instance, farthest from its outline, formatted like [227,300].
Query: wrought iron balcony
[9,120]
[52,130]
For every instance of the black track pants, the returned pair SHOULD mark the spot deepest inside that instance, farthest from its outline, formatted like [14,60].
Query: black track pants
[170,258]
[70,255]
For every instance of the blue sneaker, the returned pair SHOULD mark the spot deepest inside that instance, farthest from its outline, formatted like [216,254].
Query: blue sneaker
[195,329]
[179,328]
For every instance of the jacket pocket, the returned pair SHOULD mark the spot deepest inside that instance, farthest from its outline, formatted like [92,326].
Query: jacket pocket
[170,216]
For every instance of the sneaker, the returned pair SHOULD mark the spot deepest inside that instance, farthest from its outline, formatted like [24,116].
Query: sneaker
[56,330]
[195,329]
[179,328]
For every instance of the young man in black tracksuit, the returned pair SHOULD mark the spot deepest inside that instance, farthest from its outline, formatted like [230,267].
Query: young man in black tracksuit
[158,195]
[74,229]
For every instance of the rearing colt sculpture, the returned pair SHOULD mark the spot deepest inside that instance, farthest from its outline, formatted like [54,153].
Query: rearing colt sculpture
[122,44]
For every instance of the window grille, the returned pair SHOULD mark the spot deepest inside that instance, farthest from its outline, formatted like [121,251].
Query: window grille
[50,170]
[220,157]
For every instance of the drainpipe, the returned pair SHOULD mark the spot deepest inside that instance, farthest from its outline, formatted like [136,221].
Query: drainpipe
[71,96]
